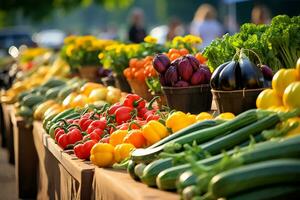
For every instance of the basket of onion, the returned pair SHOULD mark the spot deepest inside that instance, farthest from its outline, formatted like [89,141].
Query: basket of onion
[185,82]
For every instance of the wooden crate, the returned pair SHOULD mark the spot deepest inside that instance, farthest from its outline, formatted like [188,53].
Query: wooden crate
[7,131]
[25,157]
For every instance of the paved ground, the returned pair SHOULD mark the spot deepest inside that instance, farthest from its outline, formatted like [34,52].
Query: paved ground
[7,178]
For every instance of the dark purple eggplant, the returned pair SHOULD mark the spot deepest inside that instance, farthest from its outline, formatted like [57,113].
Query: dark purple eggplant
[198,77]
[251,75]
[185,69]
[267,72]
[171,76]
[229,78]
[214,81]
[193,61]
[181,84]
[161,63]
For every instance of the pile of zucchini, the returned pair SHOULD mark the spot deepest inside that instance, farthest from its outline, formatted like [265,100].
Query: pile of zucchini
[232,159]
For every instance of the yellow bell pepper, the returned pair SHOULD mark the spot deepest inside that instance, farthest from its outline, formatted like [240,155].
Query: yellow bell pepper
[203,116]
[87,88]
[117,137]
[123,151]
[226,116]
[102,154]
[295,131]
[282,79]
[268,98]
[291,95]
[40,110]
[179,120]
[154,131]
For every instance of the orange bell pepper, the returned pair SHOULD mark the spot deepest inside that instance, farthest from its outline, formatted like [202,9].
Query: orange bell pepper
[117,137]
[136,138]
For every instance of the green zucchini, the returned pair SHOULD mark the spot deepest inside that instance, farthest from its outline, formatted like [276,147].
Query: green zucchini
[153,169]
[31,100]
[269,150]
[54,82]
[53,92]
[25,111]
[250,177]
[201,136]
[130,170]
[277,192]
[216,146]
[186,179]
[194,127]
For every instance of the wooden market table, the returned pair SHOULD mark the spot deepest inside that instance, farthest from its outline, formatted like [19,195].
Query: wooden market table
[110,184]
[6,129]
[25,157]
[62,175]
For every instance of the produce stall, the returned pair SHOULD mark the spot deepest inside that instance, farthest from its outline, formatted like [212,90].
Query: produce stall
[162,141]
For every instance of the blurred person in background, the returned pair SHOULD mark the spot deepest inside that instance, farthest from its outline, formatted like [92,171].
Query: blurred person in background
[175,28]
[137,31]
[206,25]
[260,15]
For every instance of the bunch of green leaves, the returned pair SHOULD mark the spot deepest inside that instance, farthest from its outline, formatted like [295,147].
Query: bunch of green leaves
[277,45]
[154,85]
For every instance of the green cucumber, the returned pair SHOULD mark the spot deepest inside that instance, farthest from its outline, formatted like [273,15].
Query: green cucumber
[250,177]
[54,125]
[53,92]
[63,114]
[277,192]
[54,82]
[194,127]
[215,146]
[130,170]
[31,100]
[25,111]
[269,150]
[204,135]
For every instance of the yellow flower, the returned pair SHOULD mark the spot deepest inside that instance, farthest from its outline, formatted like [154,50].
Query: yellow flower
[70,50]
[192,39]
[70,39]
[178,39]
[101,56]
[150,39]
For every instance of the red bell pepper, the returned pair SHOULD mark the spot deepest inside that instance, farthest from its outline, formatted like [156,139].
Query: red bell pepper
[97,124]
[71,137]
[134,101]
[124,114]
[113,108]
[83,150]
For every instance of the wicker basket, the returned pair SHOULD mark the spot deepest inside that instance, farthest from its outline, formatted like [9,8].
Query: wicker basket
[140,88]
[236,101]
[193,99]
[89,73]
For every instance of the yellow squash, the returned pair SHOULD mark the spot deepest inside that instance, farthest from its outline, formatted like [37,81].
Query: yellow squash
[268,98]
[282,79]
[291,95]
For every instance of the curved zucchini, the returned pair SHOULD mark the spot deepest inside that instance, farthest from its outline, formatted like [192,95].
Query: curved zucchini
[268,173]
[194,127]
[277,192]
[201,136]
[130,170]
